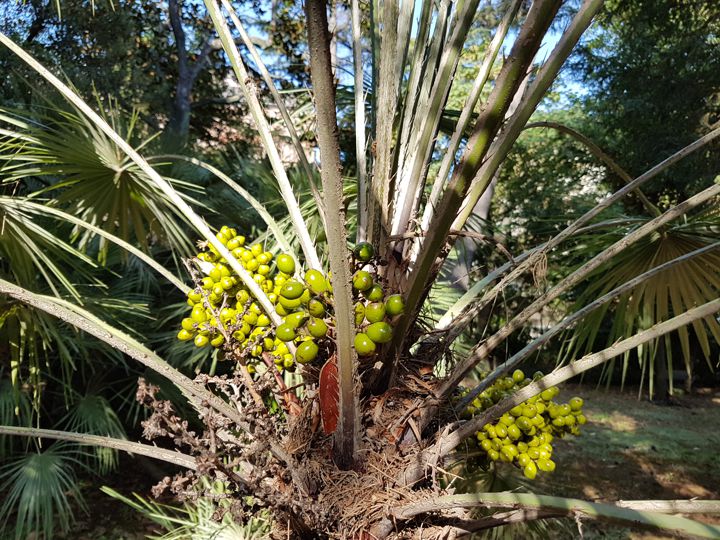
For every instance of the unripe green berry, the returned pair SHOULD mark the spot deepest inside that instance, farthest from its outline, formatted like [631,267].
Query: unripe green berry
[364,251]
[362,280]
[184,335]
[394,305]
[316,282]
[374,293]
[317,327]
[375,312]
[364,345]
[292,290]
[285,332]
[379,332]
[307,351]
[285,263]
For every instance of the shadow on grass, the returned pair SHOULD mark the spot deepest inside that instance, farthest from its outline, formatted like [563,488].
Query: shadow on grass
[634,449]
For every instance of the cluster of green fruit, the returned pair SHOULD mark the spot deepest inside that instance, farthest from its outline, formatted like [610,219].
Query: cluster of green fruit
[523,435]
[225,314]
[374,311]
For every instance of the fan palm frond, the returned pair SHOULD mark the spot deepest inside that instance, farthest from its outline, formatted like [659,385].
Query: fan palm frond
[39,486]
[15,410]
[93,414]
[667,294]
[29,249]
[28,335]
[91,177]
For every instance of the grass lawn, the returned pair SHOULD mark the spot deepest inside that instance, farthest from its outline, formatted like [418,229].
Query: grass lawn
[634,449]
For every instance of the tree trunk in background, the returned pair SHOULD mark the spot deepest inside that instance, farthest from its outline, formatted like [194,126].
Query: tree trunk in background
[662,382]
[178,126]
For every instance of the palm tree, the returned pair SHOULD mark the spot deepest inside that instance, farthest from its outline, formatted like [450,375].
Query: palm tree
[258,439]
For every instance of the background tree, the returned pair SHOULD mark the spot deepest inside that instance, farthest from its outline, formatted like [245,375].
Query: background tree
[635,110]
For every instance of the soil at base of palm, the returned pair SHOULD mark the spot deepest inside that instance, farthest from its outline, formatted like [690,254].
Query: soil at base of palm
[630,449]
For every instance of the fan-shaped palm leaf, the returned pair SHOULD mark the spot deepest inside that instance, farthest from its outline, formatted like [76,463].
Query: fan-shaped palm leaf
[93,414]
[29,249]
[28,335]
[91,177]
[39,487]
[15,410]
[667,294]
[38,259]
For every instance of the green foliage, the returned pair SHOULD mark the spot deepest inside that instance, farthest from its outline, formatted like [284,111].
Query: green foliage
[15,410]
[41,490]
[547,181]
[657,299]
[196,520]
[87,175]
[122,49]
[93,414]
[80,161]
[653,71]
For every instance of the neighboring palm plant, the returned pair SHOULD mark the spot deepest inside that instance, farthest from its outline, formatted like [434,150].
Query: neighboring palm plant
[88,177]
[40,491]
[66,191]
[196,520]
[691,283]
[93,414]
[259,438]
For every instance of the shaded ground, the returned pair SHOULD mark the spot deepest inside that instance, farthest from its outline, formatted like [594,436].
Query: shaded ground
[634,449]
[629,449]
[108,518]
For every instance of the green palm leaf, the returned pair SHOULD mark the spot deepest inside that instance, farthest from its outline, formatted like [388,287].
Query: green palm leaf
[29,249]
[15,410]
[196,521]
[93,414]
[90,177]
[667,294]
[39,487]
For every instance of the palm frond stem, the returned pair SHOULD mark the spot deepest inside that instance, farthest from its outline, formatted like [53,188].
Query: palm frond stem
[526,351]
[514,125]
[488,124]
[331,175]
[646,514]
[162,454]
[481,351]
[360,127]
[595,150]
[263,128]
[467,112]
[288,123]
[164,186]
